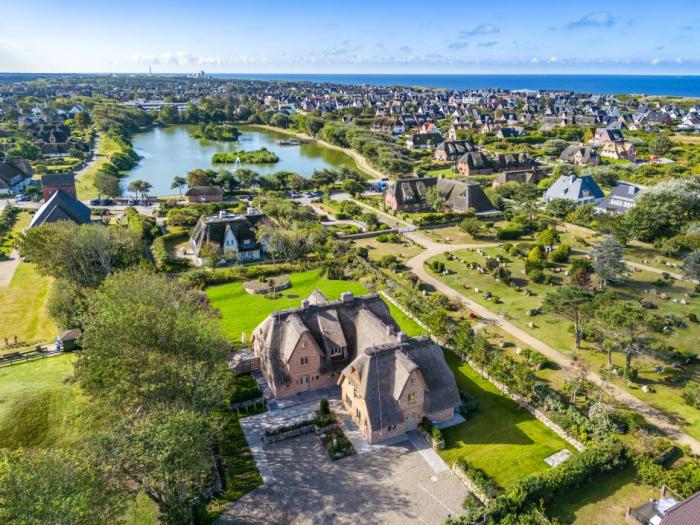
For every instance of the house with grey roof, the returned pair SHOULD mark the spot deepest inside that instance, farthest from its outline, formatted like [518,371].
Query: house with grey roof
[580,189]
[409,195]
[234,233]
[580,155]
[61,207]
[621,199]
[389,382]
[15,175]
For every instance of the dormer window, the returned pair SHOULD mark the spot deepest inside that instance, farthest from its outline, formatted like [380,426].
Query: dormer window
[411,396]
[336,351]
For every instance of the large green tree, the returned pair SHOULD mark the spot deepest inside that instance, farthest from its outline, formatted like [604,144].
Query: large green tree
[56,487]
[607,261]
[149,341]
[82,254]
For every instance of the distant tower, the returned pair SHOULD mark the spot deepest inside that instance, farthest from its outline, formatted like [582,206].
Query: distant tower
[237,164]
[150,73]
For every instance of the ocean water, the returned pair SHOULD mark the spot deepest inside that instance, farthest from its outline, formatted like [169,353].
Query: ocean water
[669,85]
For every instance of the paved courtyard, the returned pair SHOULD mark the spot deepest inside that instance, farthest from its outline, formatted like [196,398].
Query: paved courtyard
[393,484]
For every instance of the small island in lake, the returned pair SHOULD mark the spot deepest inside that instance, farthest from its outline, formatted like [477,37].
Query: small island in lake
[258,156]
[216,131]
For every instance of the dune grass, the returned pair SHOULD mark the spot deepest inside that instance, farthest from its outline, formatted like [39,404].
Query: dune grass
[500,438]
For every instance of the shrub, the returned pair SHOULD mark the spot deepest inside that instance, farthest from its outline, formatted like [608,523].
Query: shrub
[510,232]
[691,393]
[560,254]
[484,483]
[437,266]
[536,276]
[389,237]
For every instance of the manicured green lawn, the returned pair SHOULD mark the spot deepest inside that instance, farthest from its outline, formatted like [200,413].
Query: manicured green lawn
[242,312]
[502,439]
[602,501]
[85,184]
[37,407]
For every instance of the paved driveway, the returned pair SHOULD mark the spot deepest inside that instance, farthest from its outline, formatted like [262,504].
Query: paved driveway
[391,485]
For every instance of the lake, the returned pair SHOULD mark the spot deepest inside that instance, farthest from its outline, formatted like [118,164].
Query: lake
[171,151]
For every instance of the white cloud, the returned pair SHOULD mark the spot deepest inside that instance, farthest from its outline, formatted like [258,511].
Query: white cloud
[177,58]
[596,19]
[655,61]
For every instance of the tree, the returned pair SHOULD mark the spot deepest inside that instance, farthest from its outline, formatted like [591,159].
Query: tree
[167,455]
[211,252]
[107,184]
[67,304]
[150,342]
[82,120]
[661,146]
[353,187]
[324,177]
[560,208]
[526,196]
[135,187]
[572,303]
[178,183]
[197,178]
[82,254]
[691,265]
[247,177]
[548,237]
[580,273]
[434,199]
[622,327]
[607,261]
[56,487]
[472,226]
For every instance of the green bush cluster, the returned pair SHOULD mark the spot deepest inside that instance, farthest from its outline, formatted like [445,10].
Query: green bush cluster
[164,261]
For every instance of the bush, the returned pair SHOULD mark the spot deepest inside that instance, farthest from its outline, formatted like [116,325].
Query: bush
[560,254]
[536,276]
[691,393]
[538,360]
[510,232]
[484,483]
[437,266]
[389,238]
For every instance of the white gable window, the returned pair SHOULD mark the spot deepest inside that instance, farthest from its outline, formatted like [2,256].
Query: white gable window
[304,361]
[336,351]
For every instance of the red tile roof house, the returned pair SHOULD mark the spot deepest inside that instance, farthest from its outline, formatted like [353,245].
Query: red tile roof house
[669,509]
[388,381]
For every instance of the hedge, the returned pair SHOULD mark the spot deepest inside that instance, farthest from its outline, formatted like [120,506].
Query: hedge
[201,278]
[568,475]
[164,261]
[488,487]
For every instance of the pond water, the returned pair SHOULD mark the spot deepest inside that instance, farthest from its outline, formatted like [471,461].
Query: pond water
[171,151]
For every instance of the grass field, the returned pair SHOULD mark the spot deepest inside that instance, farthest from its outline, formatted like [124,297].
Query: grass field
[37,407]
[85,184]
[23,302]
[604,500]
[502,439]
[242,312]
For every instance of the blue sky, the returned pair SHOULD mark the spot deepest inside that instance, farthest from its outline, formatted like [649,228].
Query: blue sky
[351,36]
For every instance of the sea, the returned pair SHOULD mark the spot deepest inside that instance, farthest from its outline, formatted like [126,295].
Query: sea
[668,85]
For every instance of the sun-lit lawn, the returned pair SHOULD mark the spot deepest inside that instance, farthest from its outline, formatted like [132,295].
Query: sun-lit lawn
[376,250]
[555,331]
[242,312]
[602,501]
[37,407]
[502,439]
[85,184]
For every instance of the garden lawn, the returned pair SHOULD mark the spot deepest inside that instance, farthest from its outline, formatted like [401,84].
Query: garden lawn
[602,501]
[23,308]
[241,312]
[37,407]
[500,438]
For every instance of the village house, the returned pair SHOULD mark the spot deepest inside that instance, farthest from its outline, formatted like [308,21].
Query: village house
[61,207]
[205,194]
[233,233]
[15,175]
[580,155]
[669,509]
[451,150]
[619,151]
[424,140]
[521,177]
[621,199]
[65,182]
[409,195]
[388,389]
[580,189]
[388,381]
[481,163]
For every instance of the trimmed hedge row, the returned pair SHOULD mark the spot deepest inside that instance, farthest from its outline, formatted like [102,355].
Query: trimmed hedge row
[164,261]
[547,484]
[201,278]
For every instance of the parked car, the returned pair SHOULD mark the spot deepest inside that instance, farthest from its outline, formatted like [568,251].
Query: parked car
[95,202]
[131,202]
[472,315]
[20,197]
[106,202]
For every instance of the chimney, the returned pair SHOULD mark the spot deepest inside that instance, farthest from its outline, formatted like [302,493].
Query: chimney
[388,329]
[222,214]
[346,297]
[250,210]
[401,336]
[305,303]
